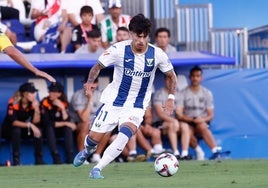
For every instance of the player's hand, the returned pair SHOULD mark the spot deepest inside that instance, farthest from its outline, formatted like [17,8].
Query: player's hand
[89,88]
[45,75]
[169,106]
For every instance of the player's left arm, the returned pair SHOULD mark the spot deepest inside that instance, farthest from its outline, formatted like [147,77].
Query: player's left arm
[171,86]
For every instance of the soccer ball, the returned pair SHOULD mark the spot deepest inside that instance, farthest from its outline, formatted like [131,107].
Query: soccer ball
[166,165]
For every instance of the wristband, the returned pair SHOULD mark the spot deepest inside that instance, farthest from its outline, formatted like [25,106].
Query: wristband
[29,127]
[171,96]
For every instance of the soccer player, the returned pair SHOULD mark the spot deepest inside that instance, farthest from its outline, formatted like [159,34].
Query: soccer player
[7,47]
[125,99]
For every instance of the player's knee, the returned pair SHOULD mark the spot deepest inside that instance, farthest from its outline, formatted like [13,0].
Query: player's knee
[126,130]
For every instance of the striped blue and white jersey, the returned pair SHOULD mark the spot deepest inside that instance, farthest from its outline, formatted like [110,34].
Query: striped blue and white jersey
[133,74]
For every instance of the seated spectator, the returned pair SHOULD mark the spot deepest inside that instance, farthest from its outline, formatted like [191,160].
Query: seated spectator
[83,110]
[74,11]
[162,40]
[51,18]
[56,122]
[8,10]
[93,45]
[170,125]
[18,13]
[195,108]
[122,33]
[22,121]
[111,22]
[80,32]
[155,147]
[74,18]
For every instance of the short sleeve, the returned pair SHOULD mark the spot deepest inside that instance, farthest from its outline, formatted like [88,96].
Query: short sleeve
[4,42]
[165,64]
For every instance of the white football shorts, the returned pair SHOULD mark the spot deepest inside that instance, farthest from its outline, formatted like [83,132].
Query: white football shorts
[108,117]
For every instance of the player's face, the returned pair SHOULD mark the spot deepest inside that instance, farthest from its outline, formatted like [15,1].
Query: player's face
[139,42]
[196,78]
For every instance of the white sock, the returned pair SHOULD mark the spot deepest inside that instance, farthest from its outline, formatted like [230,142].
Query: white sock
[215,149]
[184,153]
[113,150]
[176,152]
[198,149]
[158,148]
[132,152]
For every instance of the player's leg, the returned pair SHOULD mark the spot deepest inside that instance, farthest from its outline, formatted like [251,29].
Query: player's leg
[91,141]
[98,128]
[114,149]
[100,148]
[129,121]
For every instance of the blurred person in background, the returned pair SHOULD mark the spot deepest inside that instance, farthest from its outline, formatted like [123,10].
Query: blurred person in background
[111,22]
[93,46]
[162,40]
[195,107]
[23,121]
[80,32]
[170,125]
[50,21]
[122,33]
[56,122]
[74,18]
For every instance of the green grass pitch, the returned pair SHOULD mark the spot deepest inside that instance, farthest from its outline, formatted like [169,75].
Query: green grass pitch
[196,174]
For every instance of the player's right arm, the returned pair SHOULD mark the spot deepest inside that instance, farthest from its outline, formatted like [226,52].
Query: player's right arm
[92,75]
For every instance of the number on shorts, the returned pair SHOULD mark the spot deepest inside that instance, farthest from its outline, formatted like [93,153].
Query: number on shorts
[103,113]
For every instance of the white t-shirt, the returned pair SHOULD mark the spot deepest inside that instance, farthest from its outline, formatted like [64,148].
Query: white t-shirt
[74,8]
[133,74]
[108,24]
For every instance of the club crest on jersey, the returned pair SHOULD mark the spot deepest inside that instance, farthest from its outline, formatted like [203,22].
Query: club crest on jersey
[149,62]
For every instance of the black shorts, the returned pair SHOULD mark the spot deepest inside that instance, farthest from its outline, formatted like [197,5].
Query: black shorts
[157,124]
[194,124]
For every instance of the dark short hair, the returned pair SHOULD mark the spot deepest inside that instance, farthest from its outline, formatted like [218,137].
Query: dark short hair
[140,25]
[162,29]
[195,68]
[122,29]
[95,33]
[56,87]
[85,10]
